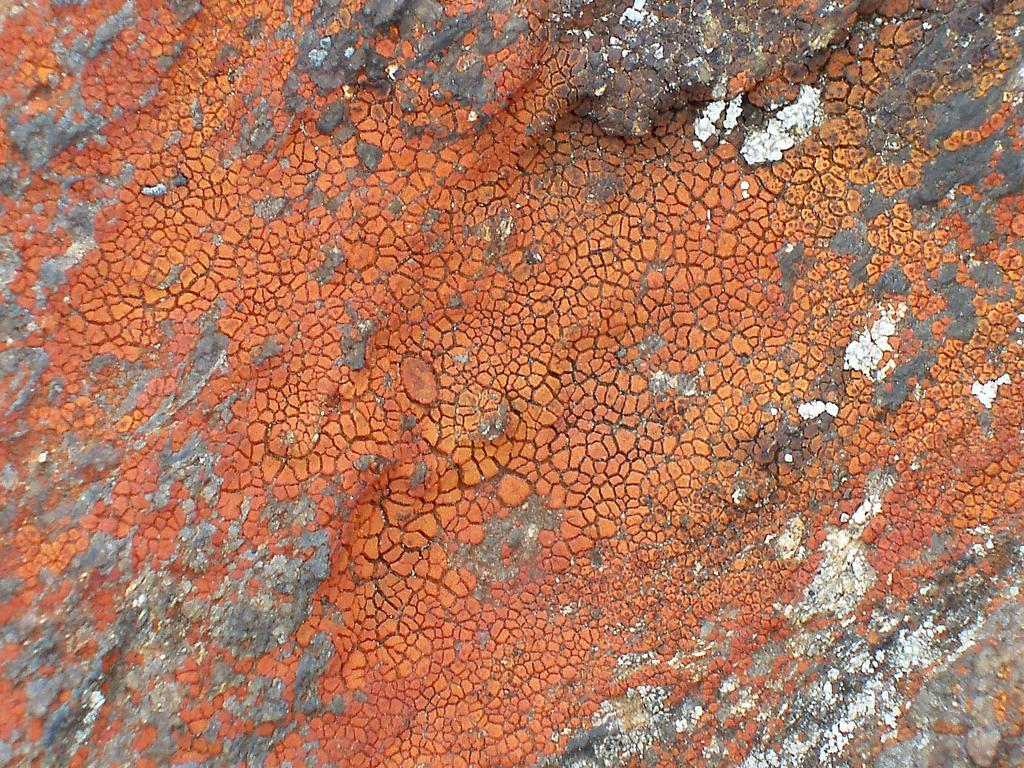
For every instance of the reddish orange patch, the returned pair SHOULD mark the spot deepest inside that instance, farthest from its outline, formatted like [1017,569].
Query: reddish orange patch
[513,490]
[419,380]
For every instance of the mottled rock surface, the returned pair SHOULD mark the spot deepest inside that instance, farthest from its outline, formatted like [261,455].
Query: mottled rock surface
[512,383]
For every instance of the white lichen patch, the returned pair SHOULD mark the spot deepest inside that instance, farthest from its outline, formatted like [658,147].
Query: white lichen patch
[859,685]
[812,409]
[689,715]
[986,391]
[633,722]
[877,698]
[789,542]
[740,704]
[710,121]
[790,125]
[706,124]
[662,383]
[845,575]
[864,354]
[732,114]
[629,663]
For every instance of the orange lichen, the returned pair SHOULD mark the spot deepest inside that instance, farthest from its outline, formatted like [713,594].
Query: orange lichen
[419,381]
[395,384]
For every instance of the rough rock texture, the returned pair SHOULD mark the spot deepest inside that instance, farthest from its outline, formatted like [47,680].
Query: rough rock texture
[511,383]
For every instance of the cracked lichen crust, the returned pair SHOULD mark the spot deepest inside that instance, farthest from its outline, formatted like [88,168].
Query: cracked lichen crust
[509,383]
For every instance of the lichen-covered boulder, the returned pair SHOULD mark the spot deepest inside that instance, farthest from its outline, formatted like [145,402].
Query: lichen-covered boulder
[512,383]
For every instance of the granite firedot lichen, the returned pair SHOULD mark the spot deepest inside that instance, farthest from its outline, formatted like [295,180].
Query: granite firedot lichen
[506,383]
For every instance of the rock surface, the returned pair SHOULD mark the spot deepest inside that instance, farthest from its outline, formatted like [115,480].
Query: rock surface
[535,383]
